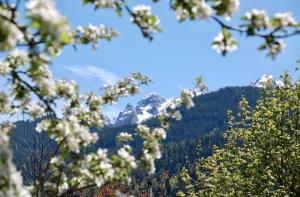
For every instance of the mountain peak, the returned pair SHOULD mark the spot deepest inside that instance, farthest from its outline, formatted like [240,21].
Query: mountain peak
[109,120]
[129,107]
[148,107]
[151,98]
[152,94]
[128,116]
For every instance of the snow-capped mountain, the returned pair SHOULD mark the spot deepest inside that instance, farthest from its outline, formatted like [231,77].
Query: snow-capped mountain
[109,120]
[150,106]
[145,109]
[263,79]
[128,116]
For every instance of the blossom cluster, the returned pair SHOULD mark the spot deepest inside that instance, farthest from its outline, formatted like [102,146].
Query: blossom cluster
[104,3]
[124,137]
[224,42]
[143,17]
[125,154]
[66,89]
[47,19]
[4,68]
[284,19]
[226,8]
[258,19]
[5,103]
[13,61]
[11,180]
[253,21]
[96,167]
[124,87]
[10,34]
[151,150]
[92,34]
[35,110]
[70,130]
[192,9]
[200,9]
[275,48]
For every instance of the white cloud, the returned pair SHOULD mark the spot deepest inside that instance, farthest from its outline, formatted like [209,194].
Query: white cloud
[91,72]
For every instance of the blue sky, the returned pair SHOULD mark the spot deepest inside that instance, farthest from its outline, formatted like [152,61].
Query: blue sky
[175,57]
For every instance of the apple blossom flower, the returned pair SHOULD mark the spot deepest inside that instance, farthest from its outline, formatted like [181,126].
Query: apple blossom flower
[224,43]
[258,18]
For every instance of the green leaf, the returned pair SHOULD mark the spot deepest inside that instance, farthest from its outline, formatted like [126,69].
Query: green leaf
[262,47]
[34,24]
[244,18]
[65,38]
[226,33]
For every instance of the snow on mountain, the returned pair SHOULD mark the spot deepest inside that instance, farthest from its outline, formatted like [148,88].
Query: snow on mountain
[150,106]
[263,79]
[128,116]
[145,109]
[109,120]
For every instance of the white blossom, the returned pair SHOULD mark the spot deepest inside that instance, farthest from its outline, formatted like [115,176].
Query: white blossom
[285,19]
[42,126]
[259,18]
[106,3]
[123,153]
[67,89]
[64,186]
[177,115]
[275,48]
[4,68]
[144,18]
[35,109]
[17,182]
[202,10]
[193,9]
[74,133]
[141,8]
[226,8]
[5,103]
[160,132]
[124,136]
[10,33]
[47,87]
[5,128]
[187,98]
[143,129]
[74,144]
[11,179]
[150,159]
[50,20]
[92,34]
[18,57]
[54,160]
[223,44]
[102,153]
[94,101]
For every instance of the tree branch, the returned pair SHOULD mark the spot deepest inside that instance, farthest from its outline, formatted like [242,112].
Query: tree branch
[243,31]
[33,90]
